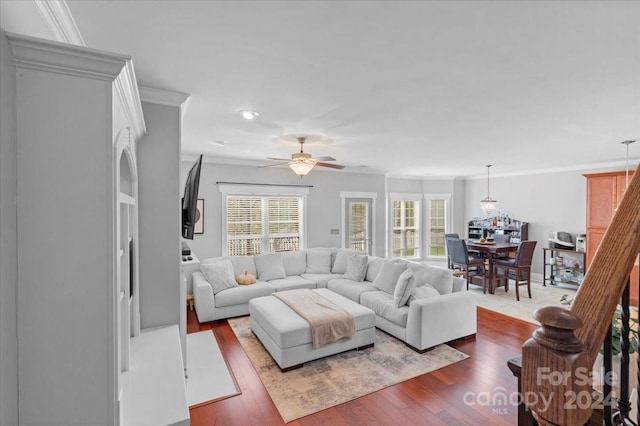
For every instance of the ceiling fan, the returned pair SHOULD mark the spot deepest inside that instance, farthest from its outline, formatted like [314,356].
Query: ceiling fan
[302,163]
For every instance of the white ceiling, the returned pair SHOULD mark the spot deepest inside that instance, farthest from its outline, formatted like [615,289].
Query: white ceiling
[407,88]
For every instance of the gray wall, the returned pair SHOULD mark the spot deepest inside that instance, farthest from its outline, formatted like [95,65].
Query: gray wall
[323,202]
[553,201]
[159,216]
[549,201]
[8,239]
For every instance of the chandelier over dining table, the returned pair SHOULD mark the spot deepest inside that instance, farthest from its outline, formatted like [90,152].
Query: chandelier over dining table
[488,204]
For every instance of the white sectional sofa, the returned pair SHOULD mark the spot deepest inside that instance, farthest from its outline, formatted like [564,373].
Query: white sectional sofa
[427,309]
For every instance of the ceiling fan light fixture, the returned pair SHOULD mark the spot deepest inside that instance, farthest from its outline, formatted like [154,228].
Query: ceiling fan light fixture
[301,168]
[248,115]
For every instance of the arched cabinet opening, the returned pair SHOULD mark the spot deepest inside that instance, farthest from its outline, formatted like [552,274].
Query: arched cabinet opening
[128,322]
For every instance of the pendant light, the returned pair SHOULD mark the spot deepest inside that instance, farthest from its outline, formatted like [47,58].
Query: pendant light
[488,204]
[627,143]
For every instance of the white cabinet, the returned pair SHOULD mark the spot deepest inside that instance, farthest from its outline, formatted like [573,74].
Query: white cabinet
[78,119]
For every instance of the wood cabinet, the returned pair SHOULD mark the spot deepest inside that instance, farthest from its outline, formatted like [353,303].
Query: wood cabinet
[604,193]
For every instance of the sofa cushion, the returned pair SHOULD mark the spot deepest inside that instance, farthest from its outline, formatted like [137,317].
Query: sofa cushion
[405,285]
[375,264]
[270,267]
[321,280]
[340,262]
[242,264]
[388,276]
[350,289]
[332,250]
[292,283]
[423,292]
[440,278]
[383,305]
[220,275]
[295,262]
[242,294]
[318,262]
[356,267]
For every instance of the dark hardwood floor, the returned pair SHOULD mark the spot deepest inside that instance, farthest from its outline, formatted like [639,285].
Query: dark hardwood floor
[460,394]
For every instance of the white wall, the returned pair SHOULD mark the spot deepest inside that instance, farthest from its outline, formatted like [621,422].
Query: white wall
[159,216]
[8,239]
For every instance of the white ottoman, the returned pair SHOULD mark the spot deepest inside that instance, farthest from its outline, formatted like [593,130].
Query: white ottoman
[287,336]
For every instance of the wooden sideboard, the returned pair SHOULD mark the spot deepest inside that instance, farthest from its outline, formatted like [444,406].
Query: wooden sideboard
[604,192]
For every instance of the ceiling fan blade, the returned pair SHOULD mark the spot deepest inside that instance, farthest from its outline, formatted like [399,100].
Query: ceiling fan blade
[324,158]
[332,166]
[272,165]
[278,159]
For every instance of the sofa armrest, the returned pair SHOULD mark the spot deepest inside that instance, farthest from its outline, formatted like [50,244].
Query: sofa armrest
[203,298]
[459,284]
[440,319]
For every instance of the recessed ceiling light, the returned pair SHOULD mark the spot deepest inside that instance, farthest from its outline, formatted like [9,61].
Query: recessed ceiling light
[249,115]
[219,143]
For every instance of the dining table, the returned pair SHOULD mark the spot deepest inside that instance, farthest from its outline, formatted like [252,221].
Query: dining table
[491,249]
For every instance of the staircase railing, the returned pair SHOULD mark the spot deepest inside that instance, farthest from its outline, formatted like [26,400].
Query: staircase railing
[557,361]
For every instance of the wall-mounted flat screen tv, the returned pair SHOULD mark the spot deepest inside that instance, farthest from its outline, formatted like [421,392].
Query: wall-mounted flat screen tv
[190,199]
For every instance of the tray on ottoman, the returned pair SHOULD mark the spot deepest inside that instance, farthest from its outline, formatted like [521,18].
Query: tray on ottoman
[287,336]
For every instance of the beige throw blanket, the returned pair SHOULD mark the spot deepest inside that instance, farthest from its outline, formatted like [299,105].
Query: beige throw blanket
[329,322]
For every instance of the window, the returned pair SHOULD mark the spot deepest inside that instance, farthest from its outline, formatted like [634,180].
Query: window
[437,223]
[405,227]
[358,219]
[257,225]
[262,219]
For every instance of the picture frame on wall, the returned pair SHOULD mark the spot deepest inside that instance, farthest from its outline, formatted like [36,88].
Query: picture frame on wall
[198,227]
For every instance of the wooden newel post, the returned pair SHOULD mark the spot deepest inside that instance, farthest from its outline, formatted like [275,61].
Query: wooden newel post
[556,370]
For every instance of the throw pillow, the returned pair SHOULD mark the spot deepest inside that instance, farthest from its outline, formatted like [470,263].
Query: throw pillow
[425,291]
[242,263]
[340,263]
[295,262]
[388,276]
[375,264]
[318,262]
[405,285]
[220,275]
[440,278]
[356,267]
[270,267]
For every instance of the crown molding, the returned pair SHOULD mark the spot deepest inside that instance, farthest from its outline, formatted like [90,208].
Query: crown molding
[62,58]
[52,56]
[190,157]
[163,97]
[578,167]
[126,88]
[58,18]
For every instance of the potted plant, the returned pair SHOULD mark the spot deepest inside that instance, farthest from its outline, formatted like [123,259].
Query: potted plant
[616,329]
[616,332]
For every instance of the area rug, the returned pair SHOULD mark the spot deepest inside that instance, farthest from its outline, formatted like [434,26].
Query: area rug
[340,378]
[506,303]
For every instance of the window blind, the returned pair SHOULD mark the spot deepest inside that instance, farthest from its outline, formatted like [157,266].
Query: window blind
[263,224]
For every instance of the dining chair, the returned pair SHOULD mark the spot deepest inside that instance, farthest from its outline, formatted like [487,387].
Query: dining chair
[446,243]
[517,268]
[501,239]
[471,265]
